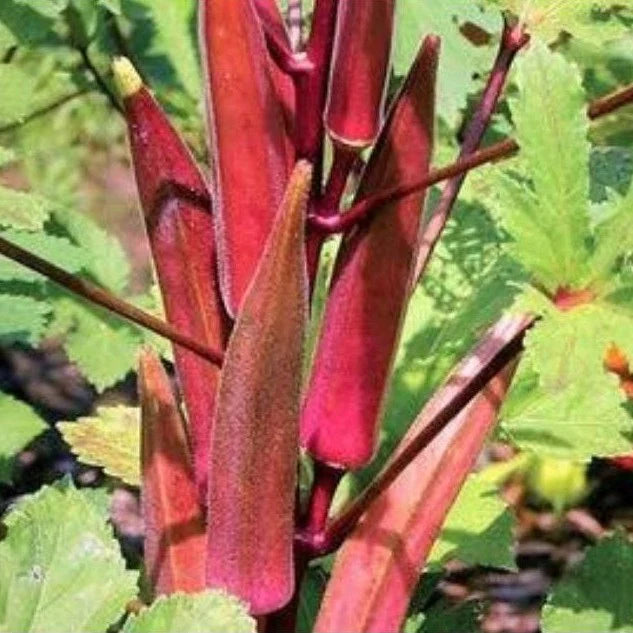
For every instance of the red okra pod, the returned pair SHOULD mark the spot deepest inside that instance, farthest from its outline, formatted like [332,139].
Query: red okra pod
[360,65]
[368,293]
[174,522]
[248,137]
[179,225]
[254,446]
[374,577]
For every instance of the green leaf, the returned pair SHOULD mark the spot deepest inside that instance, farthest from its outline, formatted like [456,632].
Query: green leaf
[310,596]
[212,611]
[22,210]
[612,237]
[49,8]
[563,402]
[107,263]
[19,425]
[460,61]
[174,38]
[445,617]
[23,22]
[57,250]
[22,318]
[597,21]
[467,287]
[478,529]
[7,156]
[18,89]
[111,440]
[104,347]
[60,566]
[113,6]
[548,217]
[594,596]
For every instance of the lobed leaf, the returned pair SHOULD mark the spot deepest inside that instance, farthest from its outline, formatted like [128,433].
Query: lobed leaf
[19,424]
[547,216]
[110,440]
[60,566]
[597,22]
[205,612]
[563,402]
[580,602]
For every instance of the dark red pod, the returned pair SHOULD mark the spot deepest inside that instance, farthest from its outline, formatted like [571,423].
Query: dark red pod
[362,52]
[369,292]
[180,228]
[248,138]
[254,446]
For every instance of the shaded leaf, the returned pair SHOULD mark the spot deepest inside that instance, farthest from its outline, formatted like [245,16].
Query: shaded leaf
[22,318]
[460,61]
[19,424]
[478,528]
[594,597]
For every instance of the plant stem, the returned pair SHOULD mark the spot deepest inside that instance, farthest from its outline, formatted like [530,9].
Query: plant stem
[332,223]
[47,109]
[294,20]
[342,164]
[312,88]
[326,480]
[101,297]
[513,40]
[502,343]
[99,80]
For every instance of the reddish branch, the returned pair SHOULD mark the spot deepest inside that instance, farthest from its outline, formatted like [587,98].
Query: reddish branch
[498,151]
[105,299]
[513,40]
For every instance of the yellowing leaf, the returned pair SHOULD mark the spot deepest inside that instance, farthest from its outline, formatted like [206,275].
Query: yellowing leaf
[110,440]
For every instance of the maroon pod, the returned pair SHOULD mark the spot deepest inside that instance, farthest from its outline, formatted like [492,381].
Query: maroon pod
[254,446]
[368,293]
[179,225]
[248,137]
[362,52]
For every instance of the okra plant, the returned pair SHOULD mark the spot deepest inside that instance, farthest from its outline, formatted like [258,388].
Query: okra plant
[349,320]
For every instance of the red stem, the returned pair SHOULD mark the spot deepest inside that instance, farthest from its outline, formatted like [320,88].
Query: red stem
[326,480]
[502,349]
[101,297]
[342,164]
[513,40]
[312,88]
[332,223]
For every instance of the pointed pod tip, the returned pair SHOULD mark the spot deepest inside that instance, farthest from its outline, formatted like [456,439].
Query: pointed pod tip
[128,81]
[298,188]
